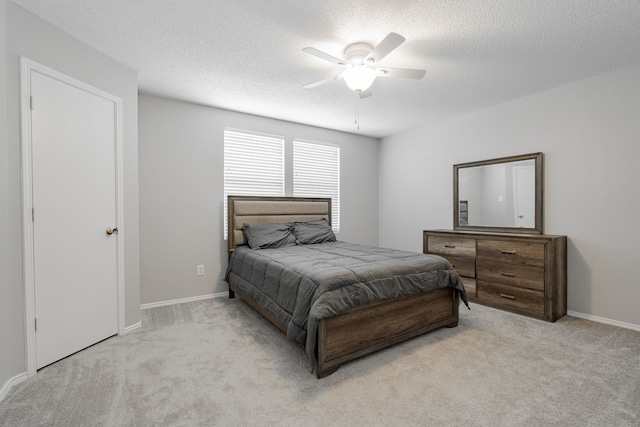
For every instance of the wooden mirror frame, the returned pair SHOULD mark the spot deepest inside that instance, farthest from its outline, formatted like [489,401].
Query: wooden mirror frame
[537,158]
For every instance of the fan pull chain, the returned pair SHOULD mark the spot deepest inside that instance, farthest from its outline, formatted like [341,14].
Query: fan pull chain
[357,112]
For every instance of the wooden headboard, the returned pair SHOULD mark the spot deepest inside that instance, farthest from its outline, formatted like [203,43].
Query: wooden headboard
[258,210]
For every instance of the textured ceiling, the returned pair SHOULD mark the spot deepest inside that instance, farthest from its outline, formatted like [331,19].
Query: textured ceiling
[246,55]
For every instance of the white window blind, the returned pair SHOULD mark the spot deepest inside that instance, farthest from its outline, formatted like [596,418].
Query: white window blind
[316,173]
[253,165]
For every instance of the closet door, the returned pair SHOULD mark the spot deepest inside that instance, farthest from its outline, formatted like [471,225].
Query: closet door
[74,206]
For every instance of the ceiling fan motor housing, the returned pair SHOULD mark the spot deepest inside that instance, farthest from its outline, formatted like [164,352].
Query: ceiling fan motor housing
[356,53]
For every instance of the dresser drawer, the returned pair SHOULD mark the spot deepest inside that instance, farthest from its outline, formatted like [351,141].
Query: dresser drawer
[522,276]
[464,266]
[509,296]
[469,286]
[452,246]
[515,252]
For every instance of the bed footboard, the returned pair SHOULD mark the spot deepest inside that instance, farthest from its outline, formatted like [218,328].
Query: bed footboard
[378,325]
[371,327]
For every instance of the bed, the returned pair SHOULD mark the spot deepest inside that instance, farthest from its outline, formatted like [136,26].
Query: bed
[339,300]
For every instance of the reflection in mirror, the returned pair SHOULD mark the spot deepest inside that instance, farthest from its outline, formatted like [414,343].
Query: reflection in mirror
[501,195]
[504,194]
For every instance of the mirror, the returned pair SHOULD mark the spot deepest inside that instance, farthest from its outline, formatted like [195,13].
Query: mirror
[502,194]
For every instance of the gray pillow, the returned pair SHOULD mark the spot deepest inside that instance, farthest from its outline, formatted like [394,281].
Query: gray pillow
[269,236]
[313,232]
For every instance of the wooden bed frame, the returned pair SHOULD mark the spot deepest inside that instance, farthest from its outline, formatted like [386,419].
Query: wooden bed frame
[363,329]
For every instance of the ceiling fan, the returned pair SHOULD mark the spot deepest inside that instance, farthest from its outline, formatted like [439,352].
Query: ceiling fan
[360,65]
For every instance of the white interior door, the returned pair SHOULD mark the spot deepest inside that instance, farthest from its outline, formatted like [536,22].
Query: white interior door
[73,136]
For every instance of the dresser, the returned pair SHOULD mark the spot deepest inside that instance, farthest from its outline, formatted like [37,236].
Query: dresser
[521,273]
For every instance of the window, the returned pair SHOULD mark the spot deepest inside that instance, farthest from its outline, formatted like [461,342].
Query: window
[316,173]
[253,165]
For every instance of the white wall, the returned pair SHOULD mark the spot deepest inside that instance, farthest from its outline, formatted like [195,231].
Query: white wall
[181,192]
[11,340]
[23,34]
[589,132]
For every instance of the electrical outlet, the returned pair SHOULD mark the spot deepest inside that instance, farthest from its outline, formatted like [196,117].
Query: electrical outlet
[200,270]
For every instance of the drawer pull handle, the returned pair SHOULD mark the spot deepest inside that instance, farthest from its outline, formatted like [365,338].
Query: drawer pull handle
[507,296]
[450,246]
[502,273]
[506,252]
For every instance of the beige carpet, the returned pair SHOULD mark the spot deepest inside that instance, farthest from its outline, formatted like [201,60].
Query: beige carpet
[218,363]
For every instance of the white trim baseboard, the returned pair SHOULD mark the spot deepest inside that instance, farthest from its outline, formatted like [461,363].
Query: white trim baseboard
[182,300]
[10,383]
[604,320]
[132,327]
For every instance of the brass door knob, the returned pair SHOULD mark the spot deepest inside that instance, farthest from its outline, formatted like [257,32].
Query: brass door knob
[111,231]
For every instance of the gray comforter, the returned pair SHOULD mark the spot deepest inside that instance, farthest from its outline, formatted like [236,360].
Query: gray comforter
[300,285]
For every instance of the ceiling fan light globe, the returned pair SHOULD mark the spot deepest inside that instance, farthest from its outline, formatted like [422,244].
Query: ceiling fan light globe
[359,78]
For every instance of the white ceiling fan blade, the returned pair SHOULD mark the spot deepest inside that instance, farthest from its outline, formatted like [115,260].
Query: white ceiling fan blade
[320,54]
[321,82]
[401,73]
[392,41]
[365,93]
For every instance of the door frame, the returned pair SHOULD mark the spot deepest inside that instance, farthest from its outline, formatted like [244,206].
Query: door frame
[28,265]
[514,172]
